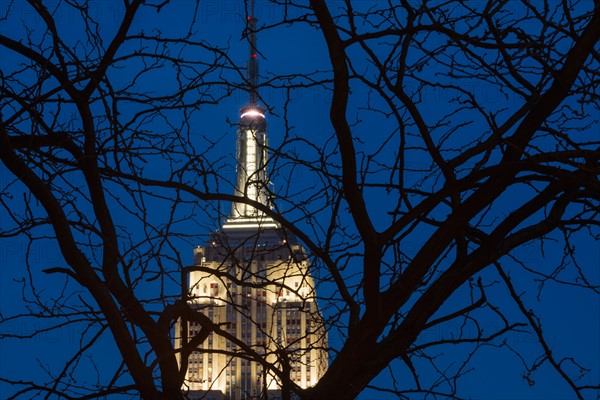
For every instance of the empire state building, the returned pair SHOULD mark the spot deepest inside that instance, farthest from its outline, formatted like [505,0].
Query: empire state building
[253,281]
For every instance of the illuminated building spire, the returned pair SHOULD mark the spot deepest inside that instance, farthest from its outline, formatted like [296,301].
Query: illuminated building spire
[252,179]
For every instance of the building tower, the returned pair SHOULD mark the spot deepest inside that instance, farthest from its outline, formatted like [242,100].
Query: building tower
[252,279]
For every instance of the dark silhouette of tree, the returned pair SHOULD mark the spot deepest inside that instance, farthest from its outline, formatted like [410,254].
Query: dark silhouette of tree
[98,131]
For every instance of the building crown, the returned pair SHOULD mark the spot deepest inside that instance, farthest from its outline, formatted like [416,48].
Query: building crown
[252,179]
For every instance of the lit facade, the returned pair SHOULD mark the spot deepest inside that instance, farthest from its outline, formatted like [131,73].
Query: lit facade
[252,280]
[262,294]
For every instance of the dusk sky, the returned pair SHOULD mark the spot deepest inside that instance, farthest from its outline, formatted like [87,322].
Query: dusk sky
[570,316]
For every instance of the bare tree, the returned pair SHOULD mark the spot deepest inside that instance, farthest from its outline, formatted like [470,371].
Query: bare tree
[98,126]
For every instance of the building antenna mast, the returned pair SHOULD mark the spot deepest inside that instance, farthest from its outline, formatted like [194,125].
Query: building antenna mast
[252,68]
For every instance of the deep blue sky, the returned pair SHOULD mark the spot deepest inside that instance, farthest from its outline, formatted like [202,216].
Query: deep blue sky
[570,317]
